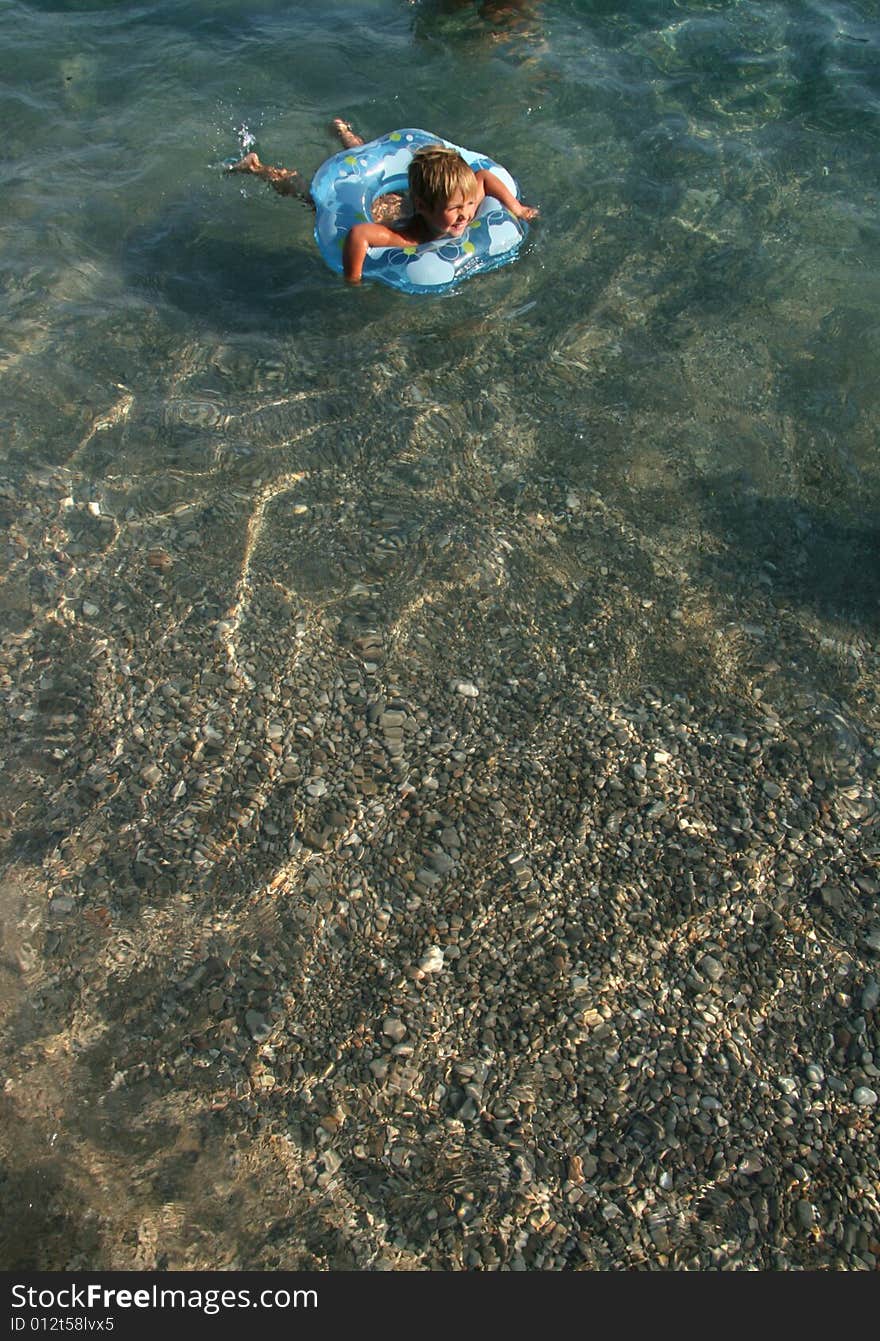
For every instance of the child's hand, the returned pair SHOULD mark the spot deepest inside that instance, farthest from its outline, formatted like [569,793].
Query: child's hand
[526,211]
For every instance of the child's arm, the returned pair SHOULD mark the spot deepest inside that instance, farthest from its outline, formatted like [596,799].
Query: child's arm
[358,242]
[498,191]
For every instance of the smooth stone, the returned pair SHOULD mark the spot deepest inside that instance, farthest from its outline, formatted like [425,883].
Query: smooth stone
[257,1025]
[711,968]
[432,962]
[864,1097]
[832,896]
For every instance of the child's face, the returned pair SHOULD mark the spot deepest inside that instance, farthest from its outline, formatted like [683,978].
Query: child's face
[452,218]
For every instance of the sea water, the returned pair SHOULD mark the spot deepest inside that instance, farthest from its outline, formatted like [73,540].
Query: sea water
[691,329]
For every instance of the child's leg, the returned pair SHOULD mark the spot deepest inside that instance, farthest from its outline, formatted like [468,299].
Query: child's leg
[289,182]
[348,137]
[286,181]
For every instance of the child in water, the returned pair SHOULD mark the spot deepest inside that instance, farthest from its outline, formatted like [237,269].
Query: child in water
[445,194]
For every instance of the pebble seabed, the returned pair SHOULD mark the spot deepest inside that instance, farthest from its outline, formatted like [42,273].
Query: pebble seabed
[401,923]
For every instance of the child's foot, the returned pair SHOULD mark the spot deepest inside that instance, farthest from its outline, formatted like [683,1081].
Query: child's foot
[346,134]
[286,181]
[250,163]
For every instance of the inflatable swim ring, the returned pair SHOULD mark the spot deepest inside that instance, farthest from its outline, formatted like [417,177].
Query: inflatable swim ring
[345,187]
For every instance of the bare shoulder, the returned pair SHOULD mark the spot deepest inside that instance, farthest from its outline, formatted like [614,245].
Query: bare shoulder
[362,236]
[402,233]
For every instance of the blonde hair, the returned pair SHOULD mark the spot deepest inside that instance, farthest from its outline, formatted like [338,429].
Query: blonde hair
[436,173]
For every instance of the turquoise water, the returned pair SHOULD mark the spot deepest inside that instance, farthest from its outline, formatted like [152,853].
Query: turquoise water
[691,331]
[695,313]
[643,457]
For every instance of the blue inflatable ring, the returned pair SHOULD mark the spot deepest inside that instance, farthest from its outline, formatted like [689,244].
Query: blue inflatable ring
[345,187]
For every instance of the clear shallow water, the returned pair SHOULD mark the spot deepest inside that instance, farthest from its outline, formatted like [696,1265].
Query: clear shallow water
[644,455]
[692,330]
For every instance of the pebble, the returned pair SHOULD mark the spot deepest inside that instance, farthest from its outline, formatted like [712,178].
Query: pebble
[394,1029]
[432,961]
[864,1096]
[466,688]
[332,1161]
[711,968]
[257,1025]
